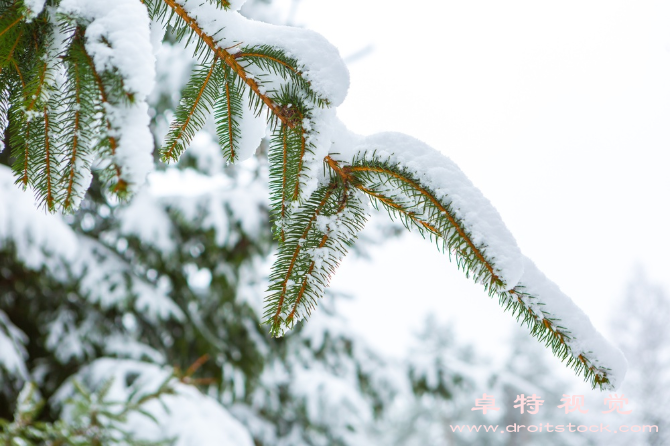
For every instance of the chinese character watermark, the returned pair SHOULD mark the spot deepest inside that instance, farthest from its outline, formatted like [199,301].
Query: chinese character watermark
[533,402]
[616,402]
[485,403]
[572,403]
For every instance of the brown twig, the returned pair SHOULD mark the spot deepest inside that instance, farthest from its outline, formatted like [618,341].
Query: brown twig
[170,151]
[229,60]
[329,192]
[121,184]
[438,205]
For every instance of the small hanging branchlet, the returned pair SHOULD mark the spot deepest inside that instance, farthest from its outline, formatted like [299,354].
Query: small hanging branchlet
[288,256]
[321,232]
[79,98]
[31,85]
[228,115]
[305,281]
[198,99]
[186,377]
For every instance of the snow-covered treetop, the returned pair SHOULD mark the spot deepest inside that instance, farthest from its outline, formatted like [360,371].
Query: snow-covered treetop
[73,94]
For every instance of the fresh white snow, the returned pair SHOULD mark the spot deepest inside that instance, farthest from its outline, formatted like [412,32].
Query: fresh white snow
[324,68]
[188,416]
[118,36]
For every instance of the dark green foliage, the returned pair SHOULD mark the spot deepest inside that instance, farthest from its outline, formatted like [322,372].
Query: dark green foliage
[13,35]
[54,159]
[29,78]
[292,138]
[218,323]
[284,157]
[42,112]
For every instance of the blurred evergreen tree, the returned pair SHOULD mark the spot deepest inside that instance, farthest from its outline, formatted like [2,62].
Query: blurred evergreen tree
[175,274]
[641,324]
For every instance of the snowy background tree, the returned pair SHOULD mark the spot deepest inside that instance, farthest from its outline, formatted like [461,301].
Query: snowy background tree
[641,321]
[155,280]
[175,274]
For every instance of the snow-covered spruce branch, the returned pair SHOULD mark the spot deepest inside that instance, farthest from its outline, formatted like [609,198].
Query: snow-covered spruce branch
[75,80]
[316,240]
[389,183]
[73,85]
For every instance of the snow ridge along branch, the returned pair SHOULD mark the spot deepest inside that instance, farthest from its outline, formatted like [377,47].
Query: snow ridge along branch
[230,60]
[321,175]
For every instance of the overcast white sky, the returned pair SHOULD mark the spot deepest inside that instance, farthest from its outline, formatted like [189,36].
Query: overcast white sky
[558,111]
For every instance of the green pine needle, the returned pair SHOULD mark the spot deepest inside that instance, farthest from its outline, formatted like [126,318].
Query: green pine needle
[228,115]
[198,99]
[318,236]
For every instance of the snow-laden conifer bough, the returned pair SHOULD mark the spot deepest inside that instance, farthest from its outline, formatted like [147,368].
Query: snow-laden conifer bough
[74,79]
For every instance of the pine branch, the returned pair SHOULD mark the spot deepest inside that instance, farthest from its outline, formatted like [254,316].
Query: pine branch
[75,142]
[270,59]
[35,162]
[415,202]
[11,26]
[228,114]
[285,162]
[301,158]
[19,134]
[96,420]
[299,132]
[80,102]
[4,114]
[302,291]
[46,181]
[109,142]
[318,237]
[404,196]
[10,36]
[198,98]
[226,57]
